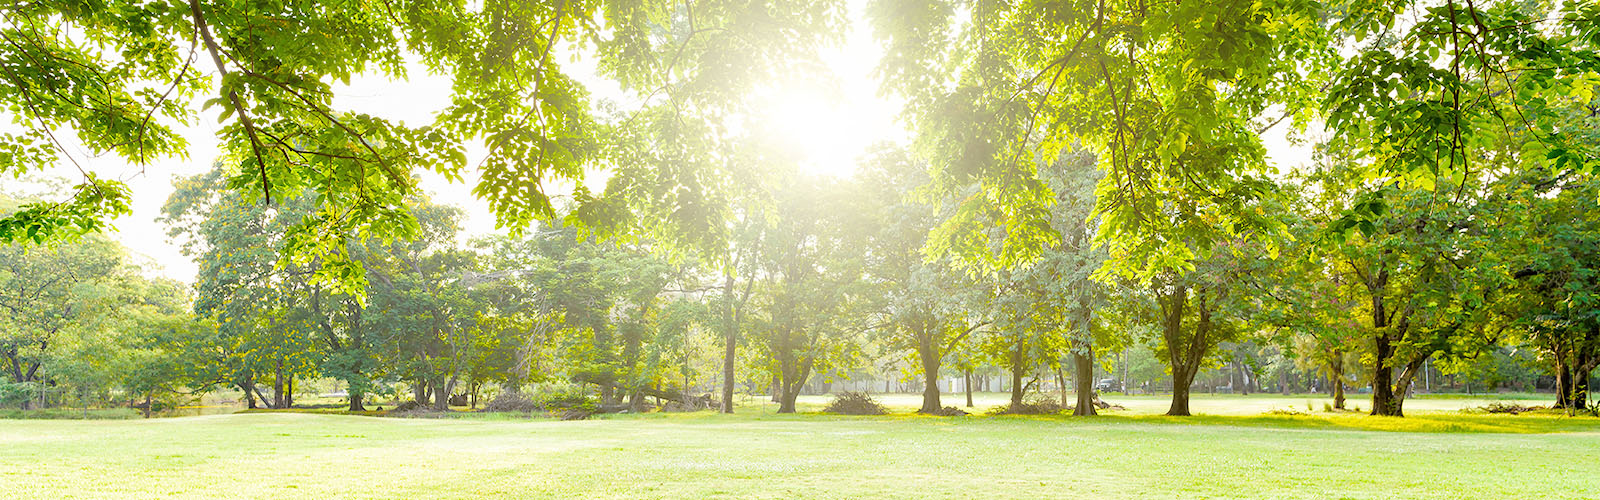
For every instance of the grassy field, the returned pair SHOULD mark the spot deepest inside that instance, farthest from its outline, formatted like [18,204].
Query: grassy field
[756,454]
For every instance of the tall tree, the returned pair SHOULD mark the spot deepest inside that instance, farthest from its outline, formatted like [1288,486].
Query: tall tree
[812,261]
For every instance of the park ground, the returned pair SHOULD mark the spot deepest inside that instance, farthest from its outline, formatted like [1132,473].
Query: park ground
[1238,449]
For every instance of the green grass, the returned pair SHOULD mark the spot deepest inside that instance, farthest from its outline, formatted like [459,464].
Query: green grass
[757,454]
[71,414]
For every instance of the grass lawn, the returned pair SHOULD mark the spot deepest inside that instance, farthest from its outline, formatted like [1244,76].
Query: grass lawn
[756,454]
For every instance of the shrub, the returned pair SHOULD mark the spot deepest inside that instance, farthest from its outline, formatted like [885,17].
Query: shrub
[15,394]
[1285,411]
[561,396]
[1327,407]
[854,403]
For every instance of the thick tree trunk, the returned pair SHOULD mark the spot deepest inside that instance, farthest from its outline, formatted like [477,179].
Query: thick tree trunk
[248,387]
[355,401]
[1084,380]
[790,387]
[1183,355]
[419,392]
[929,353]
[1016,381]
[1383,397]
[1337,384]
[441,394]
[1580,392]
[1180,400]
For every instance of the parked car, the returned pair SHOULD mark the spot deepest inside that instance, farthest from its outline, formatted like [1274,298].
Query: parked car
[1108,384]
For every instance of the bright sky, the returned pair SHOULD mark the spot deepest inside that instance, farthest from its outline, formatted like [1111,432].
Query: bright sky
[832,126]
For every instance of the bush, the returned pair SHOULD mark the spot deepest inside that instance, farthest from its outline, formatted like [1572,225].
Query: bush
[562,397]
[1286,411]
[854,403]
[15,394]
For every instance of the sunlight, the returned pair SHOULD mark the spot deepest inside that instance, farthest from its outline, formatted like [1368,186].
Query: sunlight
[817,127]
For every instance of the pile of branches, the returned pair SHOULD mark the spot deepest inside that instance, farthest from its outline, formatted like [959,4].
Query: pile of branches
[1038,405]
[692,403]
[855,403]
[949,411]
[1512,408]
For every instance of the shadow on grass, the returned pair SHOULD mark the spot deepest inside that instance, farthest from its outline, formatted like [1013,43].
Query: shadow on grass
[1423,422]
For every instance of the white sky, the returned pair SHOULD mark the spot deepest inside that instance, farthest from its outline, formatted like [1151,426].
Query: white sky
[832,127]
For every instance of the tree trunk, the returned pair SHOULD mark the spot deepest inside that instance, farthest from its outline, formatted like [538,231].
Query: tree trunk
[929,353]
[441,394]
[1384,400]
[1563,384]
[288,395]
[355,401]
[277,386]
[1016,381]
[1383,397]
[1338,380]
[249,388]
[967,384]
[1084,379]
[1180,400]
[730,341]
[264,399]
[1244,377]
[1061,383]
[1580,392]
[790,386]
[419,392]
[1183,357]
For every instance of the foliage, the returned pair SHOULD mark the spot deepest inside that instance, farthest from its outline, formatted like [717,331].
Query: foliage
[123,75]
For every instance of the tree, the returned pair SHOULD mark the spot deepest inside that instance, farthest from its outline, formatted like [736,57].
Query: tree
[1549,233]
[927,307]
[255,301]
[811,261]
[50,294]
